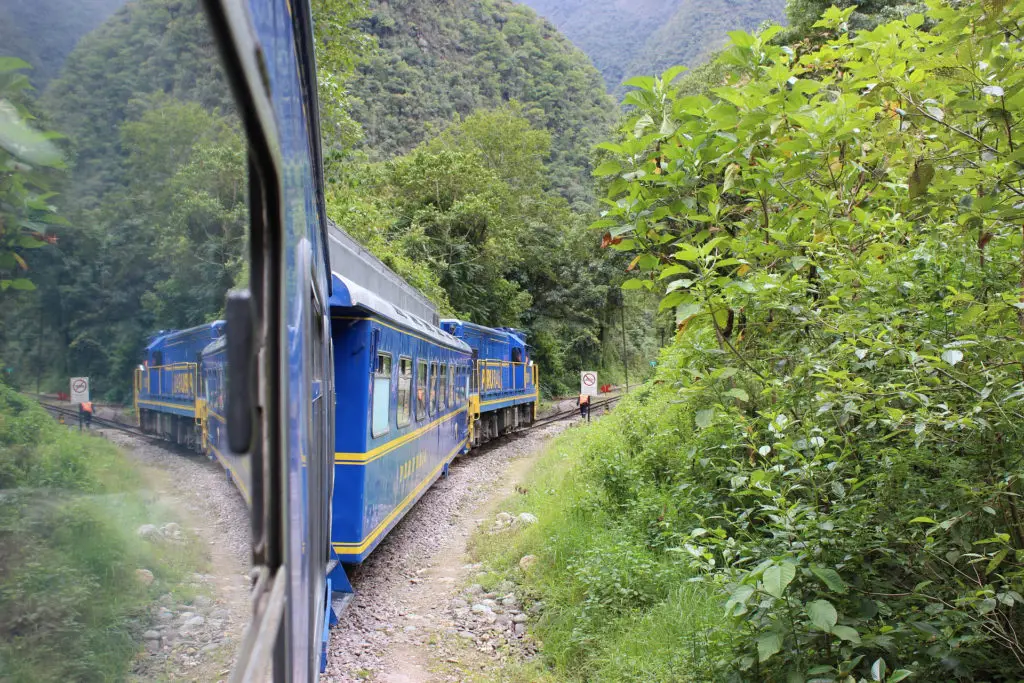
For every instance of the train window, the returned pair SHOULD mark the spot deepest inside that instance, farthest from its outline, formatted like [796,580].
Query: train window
[404,390]
[421,389]
[442,394]
[433,388]
[93,148]
[381,407]
[451,386]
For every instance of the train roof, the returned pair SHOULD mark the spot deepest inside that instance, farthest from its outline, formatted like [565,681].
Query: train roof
[217,345]
[362,268]
[168,337]
[348,294]
[505,334]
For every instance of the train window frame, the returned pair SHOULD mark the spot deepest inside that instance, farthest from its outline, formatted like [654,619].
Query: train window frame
[421,376]
[404,407]
[442,387]
[381,371]
[432,386]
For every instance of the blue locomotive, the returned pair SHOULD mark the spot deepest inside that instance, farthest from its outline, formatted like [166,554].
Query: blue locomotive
[503,383]
[331,394]
[167,398]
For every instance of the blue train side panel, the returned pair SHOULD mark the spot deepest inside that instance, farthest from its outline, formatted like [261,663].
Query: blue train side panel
[213,374]
[168,397]
[402,389]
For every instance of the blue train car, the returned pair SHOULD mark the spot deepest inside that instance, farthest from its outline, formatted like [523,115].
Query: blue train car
[168,397]
[213,374]
[503,382]
[403,387]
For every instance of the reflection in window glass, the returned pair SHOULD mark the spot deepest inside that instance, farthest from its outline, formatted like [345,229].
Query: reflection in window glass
[382,395]
[123,222]
[404,390]
[442,391]
[421,389]
[433,388]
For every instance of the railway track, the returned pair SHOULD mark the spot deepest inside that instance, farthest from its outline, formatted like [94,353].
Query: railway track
[71,415]
[565,414]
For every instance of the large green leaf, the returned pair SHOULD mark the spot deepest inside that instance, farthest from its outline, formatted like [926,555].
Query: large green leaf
[768,645]
[830,577]
[822,614]
[777,577]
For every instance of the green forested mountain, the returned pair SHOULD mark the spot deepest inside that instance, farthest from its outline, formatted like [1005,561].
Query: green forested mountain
[626,38]
[43,32]
[152,192]
[153,188]
[438,60]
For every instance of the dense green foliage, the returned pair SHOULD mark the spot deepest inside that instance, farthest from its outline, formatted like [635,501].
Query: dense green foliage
[155,188]
[832,445]
[647,36]
[155,197]
[43,32]
[29,160]
[72,607]
[465,217]
[441,59]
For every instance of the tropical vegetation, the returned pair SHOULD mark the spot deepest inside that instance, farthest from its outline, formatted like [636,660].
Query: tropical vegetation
[72,605]
[828,452]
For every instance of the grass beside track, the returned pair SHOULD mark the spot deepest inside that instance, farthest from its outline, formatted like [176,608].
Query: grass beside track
[613,609]
[72,604]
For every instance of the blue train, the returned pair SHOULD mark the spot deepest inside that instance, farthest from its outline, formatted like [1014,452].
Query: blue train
[410,393]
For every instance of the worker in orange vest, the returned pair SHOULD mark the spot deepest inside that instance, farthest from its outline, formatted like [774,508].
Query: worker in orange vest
[85,408]
[584,403]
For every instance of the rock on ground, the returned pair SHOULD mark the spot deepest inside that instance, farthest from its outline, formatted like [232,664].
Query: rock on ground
[193,638]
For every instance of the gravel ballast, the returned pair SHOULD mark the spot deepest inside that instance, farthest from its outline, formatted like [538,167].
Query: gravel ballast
[411,598]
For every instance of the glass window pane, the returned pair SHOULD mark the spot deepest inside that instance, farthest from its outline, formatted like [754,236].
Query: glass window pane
[381,396]
[433,388]
[442,393]
[404,391]
[124,220]
[421,389]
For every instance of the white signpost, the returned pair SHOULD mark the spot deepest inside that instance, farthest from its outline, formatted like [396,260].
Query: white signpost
[79,389]
[588,383]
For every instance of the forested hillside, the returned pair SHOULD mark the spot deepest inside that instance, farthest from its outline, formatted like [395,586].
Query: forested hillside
[438,60]
[634,37]
[43,32]
[151,204]
[151,200]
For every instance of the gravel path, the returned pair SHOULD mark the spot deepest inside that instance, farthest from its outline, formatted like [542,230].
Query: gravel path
[410,599]
[194,638]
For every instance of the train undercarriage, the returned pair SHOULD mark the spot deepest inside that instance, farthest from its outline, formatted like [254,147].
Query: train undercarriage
[495,423]
[178,429]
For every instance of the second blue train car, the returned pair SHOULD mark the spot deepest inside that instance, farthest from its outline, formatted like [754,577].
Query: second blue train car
[402,386]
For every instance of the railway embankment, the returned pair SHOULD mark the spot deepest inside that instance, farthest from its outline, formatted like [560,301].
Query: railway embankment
[103,575]
[421,610]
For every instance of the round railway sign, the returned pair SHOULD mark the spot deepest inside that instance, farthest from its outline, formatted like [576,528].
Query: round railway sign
[589,379]
[79,389]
